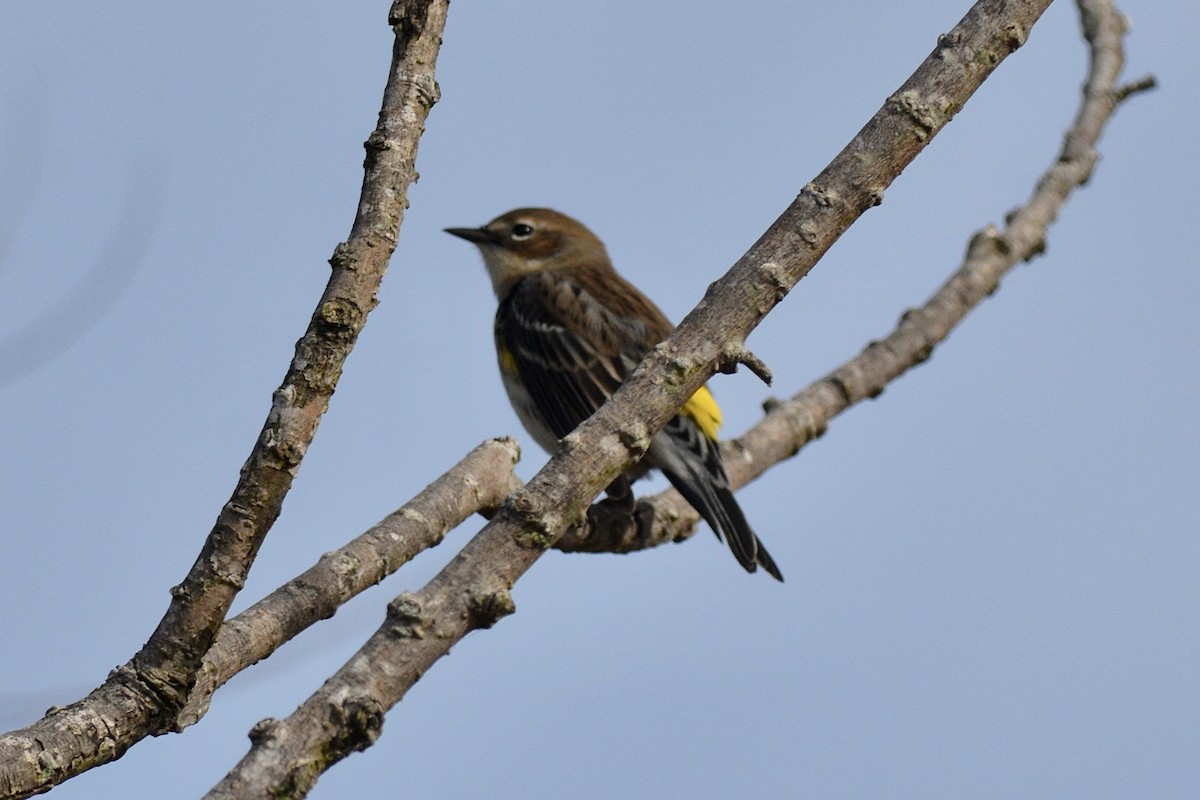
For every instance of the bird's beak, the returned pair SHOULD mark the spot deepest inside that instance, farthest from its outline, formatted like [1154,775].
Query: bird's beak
[476,235]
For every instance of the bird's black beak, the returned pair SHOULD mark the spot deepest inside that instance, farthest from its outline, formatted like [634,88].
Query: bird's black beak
[475,235]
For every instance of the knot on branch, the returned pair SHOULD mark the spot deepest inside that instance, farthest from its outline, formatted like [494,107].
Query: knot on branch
[946,43]
[808,233]
[358,721]
[488,608]
[426,88]
[1015,35]
[280,451]
[989,242]
[341,314]
[823,196]
[405,616]
[408,17]
[530,511]
[264,730]
[776,276]
[343,258]
[928,114]
[377,142]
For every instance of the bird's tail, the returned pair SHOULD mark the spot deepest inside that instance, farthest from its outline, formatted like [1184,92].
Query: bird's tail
[692,463]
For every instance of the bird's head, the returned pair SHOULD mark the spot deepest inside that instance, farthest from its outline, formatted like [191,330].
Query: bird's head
[528,240]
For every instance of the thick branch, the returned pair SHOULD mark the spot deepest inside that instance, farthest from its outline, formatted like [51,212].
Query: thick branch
[144,696]
[477,483]
[790,425]
[346,714]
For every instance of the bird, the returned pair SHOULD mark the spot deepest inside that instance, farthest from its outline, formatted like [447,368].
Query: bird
[569,329]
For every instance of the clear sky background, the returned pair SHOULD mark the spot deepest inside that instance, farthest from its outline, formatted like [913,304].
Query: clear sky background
[993,569]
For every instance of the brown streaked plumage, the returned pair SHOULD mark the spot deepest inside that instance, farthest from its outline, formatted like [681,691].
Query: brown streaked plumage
[568,330]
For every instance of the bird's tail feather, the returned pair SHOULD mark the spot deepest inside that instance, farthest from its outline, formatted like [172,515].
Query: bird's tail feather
[696,471]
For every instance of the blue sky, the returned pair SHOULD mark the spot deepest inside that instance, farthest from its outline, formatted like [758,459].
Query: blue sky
[992,568]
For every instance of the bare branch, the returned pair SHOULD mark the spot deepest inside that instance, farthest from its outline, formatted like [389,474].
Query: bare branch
[471,592]
[144,696]
[790,425]
[477,483]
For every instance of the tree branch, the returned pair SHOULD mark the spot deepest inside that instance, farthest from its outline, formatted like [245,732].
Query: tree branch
[790,425]
[144,696]
[472,591]
[477,483]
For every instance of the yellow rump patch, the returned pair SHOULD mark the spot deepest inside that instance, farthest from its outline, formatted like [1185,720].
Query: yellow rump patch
[508,362]
[703,410]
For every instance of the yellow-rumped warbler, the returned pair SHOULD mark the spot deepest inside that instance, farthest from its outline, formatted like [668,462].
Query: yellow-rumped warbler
[569,329]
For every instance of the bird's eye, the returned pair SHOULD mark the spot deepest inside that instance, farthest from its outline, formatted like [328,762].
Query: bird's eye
[521,231]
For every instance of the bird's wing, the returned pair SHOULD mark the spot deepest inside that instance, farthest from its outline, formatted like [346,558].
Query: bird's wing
[573,337]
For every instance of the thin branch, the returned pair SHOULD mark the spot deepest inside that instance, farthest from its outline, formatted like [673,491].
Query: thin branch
[1143,84]
[472,591]
[477,483]
[144,696]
